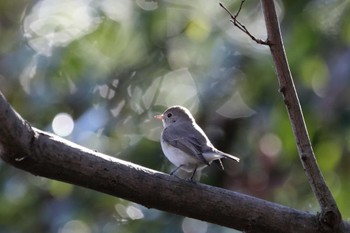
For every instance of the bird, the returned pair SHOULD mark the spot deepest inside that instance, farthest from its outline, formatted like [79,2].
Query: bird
[185,144]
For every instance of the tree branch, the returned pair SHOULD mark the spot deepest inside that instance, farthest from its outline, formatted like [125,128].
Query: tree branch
[50,156]
[330,215]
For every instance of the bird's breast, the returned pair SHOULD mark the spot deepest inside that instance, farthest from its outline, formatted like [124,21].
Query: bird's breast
[179,157]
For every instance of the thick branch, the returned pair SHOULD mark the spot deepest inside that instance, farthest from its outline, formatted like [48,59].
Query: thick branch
[49,156]
[330,214]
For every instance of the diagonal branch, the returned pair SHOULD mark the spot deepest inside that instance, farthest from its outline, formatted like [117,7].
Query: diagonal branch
[330,215]
[50,156]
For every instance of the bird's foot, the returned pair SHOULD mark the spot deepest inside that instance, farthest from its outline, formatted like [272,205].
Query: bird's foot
[191,180]
[175,170]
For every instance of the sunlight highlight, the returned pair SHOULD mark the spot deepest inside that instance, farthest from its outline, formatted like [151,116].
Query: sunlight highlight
[56,23]
[63,124]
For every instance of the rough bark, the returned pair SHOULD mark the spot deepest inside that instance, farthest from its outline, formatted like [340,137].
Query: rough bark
[50,156]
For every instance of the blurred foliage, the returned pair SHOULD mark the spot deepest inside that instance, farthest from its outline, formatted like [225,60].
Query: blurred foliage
[112,65]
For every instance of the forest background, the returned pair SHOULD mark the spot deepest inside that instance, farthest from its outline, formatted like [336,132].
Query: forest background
[102,69]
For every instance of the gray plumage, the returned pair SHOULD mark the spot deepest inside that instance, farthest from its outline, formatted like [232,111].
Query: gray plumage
[185,144]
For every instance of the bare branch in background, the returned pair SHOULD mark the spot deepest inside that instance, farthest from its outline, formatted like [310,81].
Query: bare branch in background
[330,216]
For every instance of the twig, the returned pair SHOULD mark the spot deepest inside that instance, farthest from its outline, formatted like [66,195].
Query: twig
[239,9]
[241,26]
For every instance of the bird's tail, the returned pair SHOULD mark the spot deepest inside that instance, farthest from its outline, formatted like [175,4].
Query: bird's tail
[229,156]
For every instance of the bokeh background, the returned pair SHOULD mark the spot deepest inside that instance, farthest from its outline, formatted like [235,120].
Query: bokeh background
[96,71]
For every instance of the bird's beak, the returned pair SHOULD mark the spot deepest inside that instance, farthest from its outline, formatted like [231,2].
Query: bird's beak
[160,117]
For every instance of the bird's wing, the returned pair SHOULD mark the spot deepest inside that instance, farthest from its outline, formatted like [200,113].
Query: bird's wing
[186,139]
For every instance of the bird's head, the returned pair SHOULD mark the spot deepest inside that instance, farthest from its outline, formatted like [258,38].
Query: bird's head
[175,114]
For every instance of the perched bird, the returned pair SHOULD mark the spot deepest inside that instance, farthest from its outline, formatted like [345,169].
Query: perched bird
[185,144]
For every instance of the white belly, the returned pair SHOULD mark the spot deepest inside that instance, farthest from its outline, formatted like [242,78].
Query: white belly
[180,158]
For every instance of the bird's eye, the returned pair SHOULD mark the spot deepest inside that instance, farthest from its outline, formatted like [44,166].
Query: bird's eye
[169,115]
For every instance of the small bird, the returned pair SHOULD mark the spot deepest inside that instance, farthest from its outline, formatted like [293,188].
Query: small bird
[185,144]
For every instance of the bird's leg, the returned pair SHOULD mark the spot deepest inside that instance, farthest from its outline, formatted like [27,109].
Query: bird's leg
[194,172]
[173,172]
[218,163]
